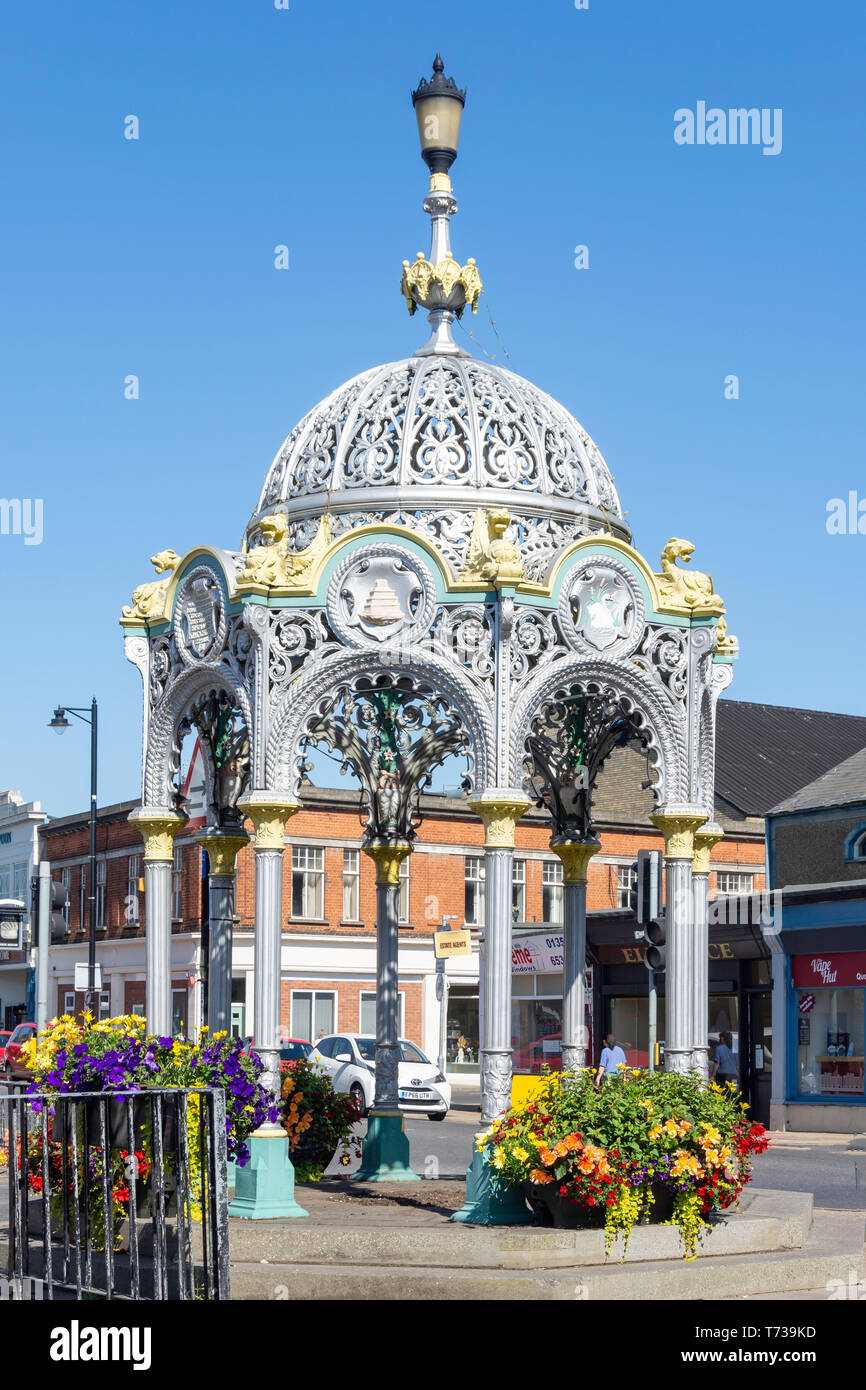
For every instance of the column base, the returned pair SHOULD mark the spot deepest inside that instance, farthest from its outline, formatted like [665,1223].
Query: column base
[385,1150]
[265,1188]
[487,1205]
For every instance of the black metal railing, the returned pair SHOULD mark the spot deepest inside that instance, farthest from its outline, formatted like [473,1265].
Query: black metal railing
[115,1196]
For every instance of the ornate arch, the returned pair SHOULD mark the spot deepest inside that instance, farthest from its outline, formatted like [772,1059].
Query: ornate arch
[179,702]
[289,718]
[664,732]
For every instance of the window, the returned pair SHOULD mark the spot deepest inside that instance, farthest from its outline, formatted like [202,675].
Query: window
[403,910]
[177,885]
[133,870]
[858,848]
[351,885]
[551,892]
[101,876]
[308,885]
[83,914]
[104,1004]
[5,881]
[830,1042]
[410,1053]
[65,876]
[473,902]
[313,1013]
[69,1001]
[626,880]
[178,1012]
[855,844]
[19,888]
[367,1013]
[733,883]
[518,890]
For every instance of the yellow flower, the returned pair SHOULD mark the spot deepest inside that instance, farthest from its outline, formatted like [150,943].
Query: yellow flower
[635,1071]
[521,1154]
[498,1158]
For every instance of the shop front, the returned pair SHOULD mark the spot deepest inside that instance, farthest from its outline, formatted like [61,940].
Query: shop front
[826,1022]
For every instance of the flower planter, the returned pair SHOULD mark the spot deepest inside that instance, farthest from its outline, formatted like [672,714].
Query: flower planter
[552,1209]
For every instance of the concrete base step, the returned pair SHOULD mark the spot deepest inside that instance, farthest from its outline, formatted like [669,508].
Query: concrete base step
[833,1249]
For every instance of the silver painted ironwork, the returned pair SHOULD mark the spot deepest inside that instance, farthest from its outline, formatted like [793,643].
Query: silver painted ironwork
[574,1035]
[495,1060]
[681,1007]
[157,896]
[267,965]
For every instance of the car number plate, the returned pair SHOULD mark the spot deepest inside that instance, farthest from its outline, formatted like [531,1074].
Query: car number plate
[414,1095]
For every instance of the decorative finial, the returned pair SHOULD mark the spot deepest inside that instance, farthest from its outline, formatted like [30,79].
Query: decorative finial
[438,283]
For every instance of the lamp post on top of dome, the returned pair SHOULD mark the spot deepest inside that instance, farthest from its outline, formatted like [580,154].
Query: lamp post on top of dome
[438,283]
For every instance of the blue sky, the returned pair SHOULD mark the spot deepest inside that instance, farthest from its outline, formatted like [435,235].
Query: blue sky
[261,126]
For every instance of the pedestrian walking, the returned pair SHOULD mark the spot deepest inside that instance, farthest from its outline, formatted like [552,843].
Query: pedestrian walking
[612,1058]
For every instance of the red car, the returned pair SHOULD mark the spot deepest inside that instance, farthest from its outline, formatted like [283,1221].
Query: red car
[4,1038]
[12,1063]
[291,1050]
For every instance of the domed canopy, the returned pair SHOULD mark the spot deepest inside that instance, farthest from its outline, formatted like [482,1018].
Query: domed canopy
[436,434]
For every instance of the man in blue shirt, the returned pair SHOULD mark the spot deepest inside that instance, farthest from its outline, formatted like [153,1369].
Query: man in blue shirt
[612,1058]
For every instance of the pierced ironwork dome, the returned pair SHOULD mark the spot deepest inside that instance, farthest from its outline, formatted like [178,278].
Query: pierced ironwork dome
[425,442]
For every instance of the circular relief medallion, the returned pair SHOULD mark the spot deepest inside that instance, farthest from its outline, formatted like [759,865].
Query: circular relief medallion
[200,618]
[381,593]
[602,608]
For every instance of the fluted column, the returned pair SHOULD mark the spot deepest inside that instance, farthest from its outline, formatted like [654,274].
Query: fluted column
[222,848]
[705,838]
[500,810]
[575,857]
[158,826]
[268,814]
[678,825]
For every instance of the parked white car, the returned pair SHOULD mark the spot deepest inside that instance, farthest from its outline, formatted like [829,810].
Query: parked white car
[349,1059]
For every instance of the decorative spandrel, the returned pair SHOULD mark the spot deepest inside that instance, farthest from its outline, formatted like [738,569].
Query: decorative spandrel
[602,608]
[381,594]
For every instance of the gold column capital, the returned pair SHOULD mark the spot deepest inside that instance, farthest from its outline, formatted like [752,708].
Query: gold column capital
[678,825]
[575,856]
[500,810]
[705,838]
[157,826]
[269,813]
[223,848]
[388,859]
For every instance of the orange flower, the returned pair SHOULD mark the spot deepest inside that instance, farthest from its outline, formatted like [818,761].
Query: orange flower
[547,1156]
[571,1141]
[538,1175]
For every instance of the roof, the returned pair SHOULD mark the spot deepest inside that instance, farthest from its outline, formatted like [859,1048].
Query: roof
[843,785]
[766,753]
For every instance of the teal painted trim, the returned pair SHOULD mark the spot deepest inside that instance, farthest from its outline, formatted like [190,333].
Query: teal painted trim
[851,840]
[489,1202]
[265,1187]
[652,616]
[849,912]
[385,1151]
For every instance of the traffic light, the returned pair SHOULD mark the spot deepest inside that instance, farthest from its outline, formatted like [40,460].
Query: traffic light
[648,907]
[59,904]
[654,937]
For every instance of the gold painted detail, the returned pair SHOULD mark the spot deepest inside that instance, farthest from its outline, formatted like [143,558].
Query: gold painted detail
[491,559]
[725,645]
[680,588]
[499,815]
[575,858]
[704,841]
[148,600]
[448,273]
[269,819]
[222,852]
[274,566]
[388,859]
[679,832]
[157,829]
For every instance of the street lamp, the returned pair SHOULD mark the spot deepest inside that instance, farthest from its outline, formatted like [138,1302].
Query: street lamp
[59,723]
[438,107]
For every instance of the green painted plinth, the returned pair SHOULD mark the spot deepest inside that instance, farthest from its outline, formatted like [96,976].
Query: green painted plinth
[385,1151]
[488,1204]
[231,1173]
[265,1187]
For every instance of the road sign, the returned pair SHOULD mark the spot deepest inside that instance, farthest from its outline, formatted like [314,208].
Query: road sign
[452,943]
[82,977]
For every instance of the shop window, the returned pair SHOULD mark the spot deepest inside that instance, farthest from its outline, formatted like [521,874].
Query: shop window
[518,890]
[308,884]
[367,1013]
[473,900]
[830,1042]
[351,885]
[313,1013]
[178,1012]
[461,1032]
[551,892]
[626,880]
